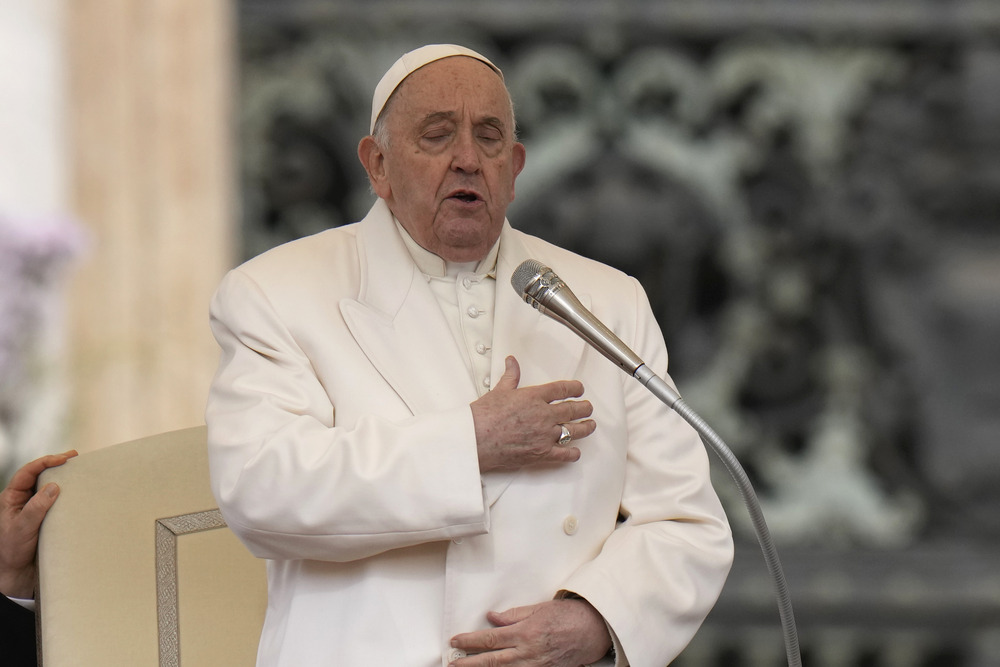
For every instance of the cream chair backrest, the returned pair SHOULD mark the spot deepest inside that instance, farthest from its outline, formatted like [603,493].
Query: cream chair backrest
[137,566]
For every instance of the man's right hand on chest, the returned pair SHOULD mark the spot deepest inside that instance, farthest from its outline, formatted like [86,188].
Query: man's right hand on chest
[519,426]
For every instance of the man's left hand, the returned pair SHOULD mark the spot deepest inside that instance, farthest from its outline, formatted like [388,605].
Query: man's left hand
[557,633]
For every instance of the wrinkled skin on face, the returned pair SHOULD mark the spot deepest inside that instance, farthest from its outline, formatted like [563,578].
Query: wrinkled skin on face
[448,170]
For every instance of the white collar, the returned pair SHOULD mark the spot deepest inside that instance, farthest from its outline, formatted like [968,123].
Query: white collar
[437,267]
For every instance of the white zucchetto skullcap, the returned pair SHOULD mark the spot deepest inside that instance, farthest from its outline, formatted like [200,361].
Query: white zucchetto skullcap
[409,63]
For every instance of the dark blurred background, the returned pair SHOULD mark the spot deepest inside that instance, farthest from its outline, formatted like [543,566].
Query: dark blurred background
[810,194]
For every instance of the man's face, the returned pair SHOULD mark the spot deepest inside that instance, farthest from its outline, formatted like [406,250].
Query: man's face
[448,171]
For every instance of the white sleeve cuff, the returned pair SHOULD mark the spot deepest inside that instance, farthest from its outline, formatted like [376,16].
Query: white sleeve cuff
[26,603]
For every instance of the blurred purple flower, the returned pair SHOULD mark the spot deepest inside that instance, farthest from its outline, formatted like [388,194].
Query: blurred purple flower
[34,252]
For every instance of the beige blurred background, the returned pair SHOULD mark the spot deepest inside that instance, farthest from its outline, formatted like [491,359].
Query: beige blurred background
[117,120]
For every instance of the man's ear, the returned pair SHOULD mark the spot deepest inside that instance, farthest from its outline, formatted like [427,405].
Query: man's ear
[373,160]
[518,156]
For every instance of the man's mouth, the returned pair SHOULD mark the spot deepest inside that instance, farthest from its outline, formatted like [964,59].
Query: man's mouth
[466,197]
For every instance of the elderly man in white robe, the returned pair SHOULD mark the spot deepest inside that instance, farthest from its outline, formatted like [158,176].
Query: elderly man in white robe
[436,473]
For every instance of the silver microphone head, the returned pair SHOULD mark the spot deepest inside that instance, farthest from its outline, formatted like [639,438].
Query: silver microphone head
[528,279]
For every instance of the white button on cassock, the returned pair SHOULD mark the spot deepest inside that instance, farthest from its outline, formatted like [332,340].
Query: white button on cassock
[570,524]
[455,654]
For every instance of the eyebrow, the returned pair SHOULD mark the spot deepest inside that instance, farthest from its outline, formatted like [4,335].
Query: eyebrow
[450,115]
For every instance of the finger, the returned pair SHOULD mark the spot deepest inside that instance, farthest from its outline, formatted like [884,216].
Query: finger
[38,506]
[511,375]
[560,454]
[27,475]
[570,411]
[510,616]
[560,390]
[492,639]
[577,430]
[506,656]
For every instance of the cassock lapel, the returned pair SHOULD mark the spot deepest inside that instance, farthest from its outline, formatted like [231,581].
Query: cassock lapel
[545,349]
[399,325]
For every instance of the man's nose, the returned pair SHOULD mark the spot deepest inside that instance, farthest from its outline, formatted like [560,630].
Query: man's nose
[466,154]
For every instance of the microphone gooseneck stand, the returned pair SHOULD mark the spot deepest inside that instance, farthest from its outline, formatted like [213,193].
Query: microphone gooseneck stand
[541,288]
[672,400]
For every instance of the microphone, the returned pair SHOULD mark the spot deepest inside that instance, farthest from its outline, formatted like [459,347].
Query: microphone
[541,288]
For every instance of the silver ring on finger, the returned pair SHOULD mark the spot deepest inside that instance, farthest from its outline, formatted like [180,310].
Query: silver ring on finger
[564,438]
